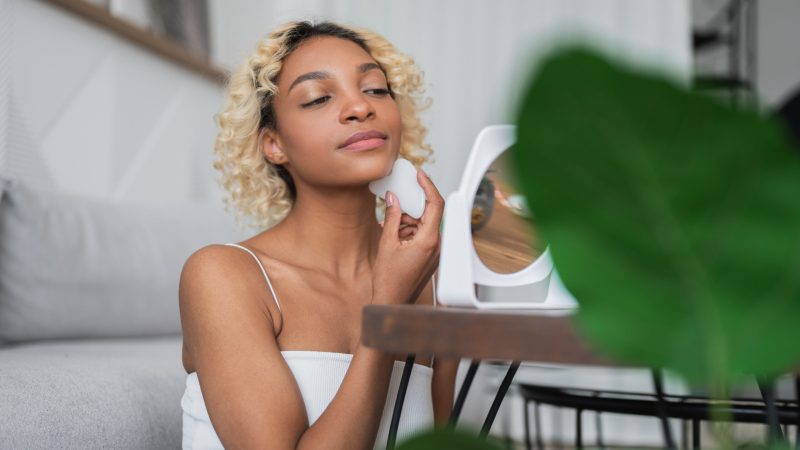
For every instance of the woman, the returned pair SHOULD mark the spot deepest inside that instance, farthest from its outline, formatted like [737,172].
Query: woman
[272,324]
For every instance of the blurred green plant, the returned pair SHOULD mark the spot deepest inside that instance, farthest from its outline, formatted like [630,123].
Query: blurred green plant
[672,218]
[449,439]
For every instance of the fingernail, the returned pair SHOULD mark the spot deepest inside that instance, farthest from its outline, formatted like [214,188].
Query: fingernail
[423,172]
[389,198]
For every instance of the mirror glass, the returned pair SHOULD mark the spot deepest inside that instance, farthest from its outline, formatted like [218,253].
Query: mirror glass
[503,228]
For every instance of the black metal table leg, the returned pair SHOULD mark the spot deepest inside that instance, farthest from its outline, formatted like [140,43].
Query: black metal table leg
[462,392]
[797,394]
[658,383]
[527,425]
[537,424]
[498,399]
[767,389]
[684,434]
[398,403]
[598,421]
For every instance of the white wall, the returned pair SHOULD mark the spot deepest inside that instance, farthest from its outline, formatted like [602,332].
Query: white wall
[86,112]
[150,129]
[778,50]
[472,52]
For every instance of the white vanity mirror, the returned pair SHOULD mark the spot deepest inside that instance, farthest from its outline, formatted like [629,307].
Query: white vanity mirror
[489,237]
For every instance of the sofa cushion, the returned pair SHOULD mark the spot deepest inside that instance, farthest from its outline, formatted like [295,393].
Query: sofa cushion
[80,394]
[76,267]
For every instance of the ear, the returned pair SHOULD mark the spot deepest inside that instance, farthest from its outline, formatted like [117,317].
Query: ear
[272,148]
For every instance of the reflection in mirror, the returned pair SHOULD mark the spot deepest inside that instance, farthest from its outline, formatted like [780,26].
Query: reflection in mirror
[503,228]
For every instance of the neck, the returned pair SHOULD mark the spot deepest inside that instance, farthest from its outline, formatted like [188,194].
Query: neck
[339,229]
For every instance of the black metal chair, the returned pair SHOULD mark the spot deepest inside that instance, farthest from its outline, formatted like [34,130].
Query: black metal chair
[690,408]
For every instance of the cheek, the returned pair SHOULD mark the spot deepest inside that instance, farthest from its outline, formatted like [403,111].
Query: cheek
[395,121]
[299,141]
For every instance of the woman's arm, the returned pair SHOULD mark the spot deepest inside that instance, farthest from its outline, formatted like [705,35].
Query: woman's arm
[444,371]
[443,388]
[352,418]
[250,393]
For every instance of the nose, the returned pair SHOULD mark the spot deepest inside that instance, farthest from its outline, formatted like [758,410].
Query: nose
[357,107]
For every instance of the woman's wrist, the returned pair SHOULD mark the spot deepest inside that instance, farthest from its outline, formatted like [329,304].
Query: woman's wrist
[379,298]
[375,355]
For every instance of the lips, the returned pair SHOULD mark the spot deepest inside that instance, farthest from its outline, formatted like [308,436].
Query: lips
[362,135]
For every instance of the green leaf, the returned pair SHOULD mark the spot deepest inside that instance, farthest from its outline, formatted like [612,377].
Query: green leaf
[673,219]
[448,439]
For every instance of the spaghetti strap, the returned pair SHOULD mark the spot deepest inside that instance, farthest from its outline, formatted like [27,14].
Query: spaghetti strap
[269,283]
[433,283]
[435,304]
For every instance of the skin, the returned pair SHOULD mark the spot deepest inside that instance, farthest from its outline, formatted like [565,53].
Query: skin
[326,260]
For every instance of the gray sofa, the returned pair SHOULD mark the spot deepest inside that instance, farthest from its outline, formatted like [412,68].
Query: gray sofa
[90,344]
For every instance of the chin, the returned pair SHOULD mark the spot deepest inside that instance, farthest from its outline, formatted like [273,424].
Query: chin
[374,167]
[382,163]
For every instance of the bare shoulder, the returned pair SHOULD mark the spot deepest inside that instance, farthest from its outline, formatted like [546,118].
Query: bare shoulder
[207,272]
[216,260]
[220,276]
[234,351]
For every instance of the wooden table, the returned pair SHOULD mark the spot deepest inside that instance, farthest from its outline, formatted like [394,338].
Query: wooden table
[515,336]
[523,335]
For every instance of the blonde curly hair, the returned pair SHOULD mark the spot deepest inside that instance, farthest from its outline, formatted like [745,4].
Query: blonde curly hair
[265,192]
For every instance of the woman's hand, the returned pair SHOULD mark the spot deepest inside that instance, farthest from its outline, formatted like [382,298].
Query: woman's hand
[408,226]
[409,254]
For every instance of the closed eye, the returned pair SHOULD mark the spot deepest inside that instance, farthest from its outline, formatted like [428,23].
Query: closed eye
[381,91]
[321,100]
[315,102]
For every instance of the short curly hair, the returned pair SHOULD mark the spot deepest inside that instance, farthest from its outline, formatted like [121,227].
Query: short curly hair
[263,191]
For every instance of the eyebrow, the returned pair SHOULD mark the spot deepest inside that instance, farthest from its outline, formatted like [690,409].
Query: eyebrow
[323,75]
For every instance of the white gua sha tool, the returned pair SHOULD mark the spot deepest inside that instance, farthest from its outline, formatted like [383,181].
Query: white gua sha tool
[402,181]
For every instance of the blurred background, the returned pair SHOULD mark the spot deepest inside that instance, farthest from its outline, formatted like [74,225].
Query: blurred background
[128,87]
[115,99]
[80,92]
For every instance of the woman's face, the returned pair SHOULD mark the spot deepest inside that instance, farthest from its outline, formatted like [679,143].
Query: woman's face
[328,89]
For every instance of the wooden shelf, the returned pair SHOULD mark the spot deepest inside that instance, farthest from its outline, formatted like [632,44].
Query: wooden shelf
[162,46]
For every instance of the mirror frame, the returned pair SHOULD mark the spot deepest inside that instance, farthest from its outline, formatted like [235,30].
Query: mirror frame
[492,142]
[460,267]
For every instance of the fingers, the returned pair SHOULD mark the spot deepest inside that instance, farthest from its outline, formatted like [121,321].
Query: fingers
[391,219]
[434,207]
[407,232]
[405,219]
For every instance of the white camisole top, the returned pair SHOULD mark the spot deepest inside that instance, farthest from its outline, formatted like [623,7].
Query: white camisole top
[319,375]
